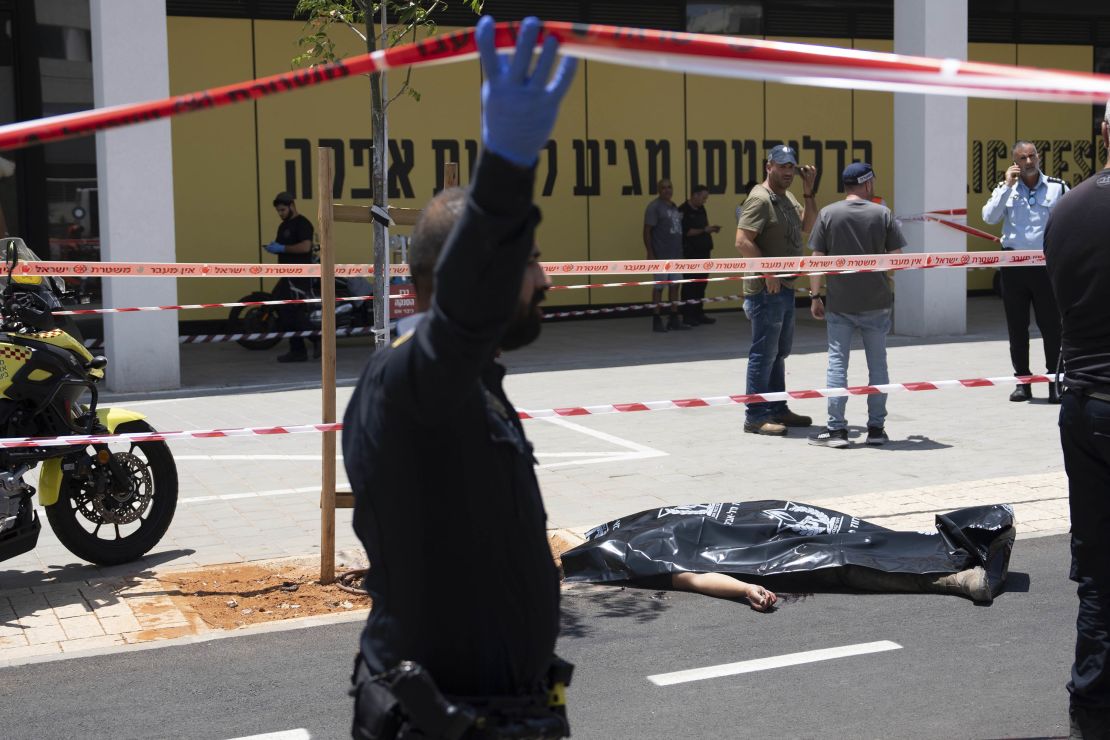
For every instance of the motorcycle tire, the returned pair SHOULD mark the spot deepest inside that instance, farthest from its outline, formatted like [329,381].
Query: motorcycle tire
[66,515]
[254,320]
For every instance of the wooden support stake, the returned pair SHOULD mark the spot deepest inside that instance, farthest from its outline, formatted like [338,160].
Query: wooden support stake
[326,169]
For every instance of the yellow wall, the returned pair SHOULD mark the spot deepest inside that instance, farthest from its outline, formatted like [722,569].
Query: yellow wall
[214,183]
[614,123]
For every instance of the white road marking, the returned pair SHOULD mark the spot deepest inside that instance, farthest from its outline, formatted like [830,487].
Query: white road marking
[577,454]
[248,458]
[256,494]
[763,664]
[299,734]
[636,451]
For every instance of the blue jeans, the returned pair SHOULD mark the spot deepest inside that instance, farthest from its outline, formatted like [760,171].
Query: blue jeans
[772,317]
[873,326]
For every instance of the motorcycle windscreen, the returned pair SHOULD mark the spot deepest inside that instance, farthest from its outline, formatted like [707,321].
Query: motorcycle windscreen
[24,254]
[768,538]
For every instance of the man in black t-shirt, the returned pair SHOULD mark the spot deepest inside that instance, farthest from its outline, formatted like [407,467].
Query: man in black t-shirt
[293,246]
[1078,262]
[697,243]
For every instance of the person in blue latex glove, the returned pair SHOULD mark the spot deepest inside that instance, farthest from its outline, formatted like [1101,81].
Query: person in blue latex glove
[438,461]
[293,245]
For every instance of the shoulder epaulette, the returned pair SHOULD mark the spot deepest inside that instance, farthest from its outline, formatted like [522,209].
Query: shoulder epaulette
[1057,180]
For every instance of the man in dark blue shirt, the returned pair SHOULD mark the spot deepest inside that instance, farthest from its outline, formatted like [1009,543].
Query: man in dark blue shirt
[446,499]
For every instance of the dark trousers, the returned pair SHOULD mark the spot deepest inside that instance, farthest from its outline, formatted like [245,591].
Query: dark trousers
[294,317]
[1022,286]
[1085,438]
[696,292]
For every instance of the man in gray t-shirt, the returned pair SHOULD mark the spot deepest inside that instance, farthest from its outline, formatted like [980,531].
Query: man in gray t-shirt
[859,302]
[663,241]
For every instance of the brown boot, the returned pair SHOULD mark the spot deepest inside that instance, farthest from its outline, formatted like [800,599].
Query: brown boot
[789,419]
[971,583]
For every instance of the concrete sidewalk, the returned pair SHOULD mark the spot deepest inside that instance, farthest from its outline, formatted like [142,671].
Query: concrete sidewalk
[256,499]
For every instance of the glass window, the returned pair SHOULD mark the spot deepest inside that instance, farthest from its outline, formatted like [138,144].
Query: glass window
[64,53]
[9,205]
[744,17]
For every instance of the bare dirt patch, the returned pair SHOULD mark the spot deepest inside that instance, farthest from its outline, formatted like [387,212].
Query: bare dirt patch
[231,596]
[238,595]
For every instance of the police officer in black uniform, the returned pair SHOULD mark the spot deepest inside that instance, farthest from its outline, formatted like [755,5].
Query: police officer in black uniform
[697,244]
[1078,260]
[460,641]
[293,245]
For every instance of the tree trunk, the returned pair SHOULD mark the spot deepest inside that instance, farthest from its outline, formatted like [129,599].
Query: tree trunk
[378,186]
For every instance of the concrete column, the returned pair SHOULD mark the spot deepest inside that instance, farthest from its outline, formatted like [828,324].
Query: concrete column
[135,181]
[930,170]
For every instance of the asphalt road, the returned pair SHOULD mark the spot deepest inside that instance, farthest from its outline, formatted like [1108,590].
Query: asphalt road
[962,671]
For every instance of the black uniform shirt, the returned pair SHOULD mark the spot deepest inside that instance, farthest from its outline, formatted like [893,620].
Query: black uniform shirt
[1077,253]
[700,245]
[294,231]
[446,499]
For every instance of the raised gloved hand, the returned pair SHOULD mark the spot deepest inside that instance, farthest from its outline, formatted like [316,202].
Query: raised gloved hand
[275,248]
[518,109]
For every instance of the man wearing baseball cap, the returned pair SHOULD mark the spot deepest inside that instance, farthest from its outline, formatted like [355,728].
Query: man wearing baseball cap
[859,302]
[770,224]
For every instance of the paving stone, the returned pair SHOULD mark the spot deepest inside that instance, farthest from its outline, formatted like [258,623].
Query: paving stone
[80,627]
[18,653]
[36,635]
[67,604]
[119,624]
[26,605]
[89,643]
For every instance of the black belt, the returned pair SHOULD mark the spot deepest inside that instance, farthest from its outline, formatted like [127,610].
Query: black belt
[1099,392]
[417,706]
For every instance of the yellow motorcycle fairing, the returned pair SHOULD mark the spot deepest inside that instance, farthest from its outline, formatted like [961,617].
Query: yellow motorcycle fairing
[12,359]
[50,478]
[63,340]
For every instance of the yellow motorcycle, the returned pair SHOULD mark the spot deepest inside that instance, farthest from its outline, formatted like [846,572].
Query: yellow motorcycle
[107,503]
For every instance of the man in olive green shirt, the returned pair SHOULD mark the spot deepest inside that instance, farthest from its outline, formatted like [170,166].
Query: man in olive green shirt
[770,225]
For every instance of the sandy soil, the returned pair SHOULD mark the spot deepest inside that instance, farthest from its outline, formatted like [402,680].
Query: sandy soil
[231,596]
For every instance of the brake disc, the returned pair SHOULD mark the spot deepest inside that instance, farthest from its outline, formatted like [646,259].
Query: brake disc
[124,507]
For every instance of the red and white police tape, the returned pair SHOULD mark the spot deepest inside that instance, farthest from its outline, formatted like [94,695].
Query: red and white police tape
[362,331]
[401,296]
[614,408]
[956,219]
[230,304]
[872,262]
[723,56]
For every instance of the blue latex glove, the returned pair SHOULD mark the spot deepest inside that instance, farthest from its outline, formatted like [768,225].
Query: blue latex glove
[518,110]
[275,248]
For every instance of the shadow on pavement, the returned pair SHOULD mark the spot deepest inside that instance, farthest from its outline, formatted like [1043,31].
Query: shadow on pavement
[626,601]
[1017,583]
[76,572]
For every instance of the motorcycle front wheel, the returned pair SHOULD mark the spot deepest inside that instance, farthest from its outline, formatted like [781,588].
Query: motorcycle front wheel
[117,528]
[254,320]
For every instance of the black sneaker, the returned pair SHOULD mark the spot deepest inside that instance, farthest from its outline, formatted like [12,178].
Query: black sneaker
[877,436]
[1022,393]
[837,438]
